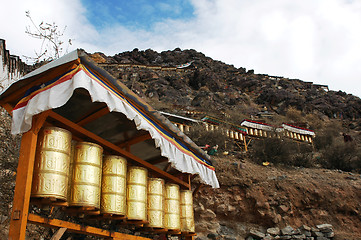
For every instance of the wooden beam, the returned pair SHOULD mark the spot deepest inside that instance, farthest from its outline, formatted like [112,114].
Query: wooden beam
[85,134]
[7,107]
[24,177]
[19,92]
[93,116]
[59,233]
[157,160]
[167,167]
[77,228]
[135,140]
[198,188]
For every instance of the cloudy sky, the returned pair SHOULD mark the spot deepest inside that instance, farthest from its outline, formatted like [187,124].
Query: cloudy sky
[312,40]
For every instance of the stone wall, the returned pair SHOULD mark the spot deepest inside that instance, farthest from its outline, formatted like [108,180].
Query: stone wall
[11,67]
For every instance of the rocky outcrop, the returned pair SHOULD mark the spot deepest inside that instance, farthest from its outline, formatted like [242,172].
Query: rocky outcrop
[223,86]
[261,201]
[304,232]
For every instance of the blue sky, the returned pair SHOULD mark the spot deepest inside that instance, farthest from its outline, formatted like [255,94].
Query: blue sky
[312,40]
[138,14]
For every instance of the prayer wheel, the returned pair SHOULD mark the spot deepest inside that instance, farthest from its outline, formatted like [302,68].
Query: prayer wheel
[187,214]
[86,179]
[113,197]
[231,134]
[51,168]
[172,207]
[236,135]
[137,193]
[156,191]
[251,131]
[187,128]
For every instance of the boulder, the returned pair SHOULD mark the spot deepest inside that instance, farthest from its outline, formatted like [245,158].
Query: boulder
[287,230]
[273,231]
[257,234]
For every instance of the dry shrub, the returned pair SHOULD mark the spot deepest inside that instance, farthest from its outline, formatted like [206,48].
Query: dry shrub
[294,115]
[282,151]
[327,135]
[201,136]
[314,121]
[343,156]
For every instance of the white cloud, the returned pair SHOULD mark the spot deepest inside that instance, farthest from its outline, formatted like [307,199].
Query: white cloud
[313,40]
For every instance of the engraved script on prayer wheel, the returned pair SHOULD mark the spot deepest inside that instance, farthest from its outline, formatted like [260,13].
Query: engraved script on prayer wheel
[86,177]
[187,214]
[172,207]
[113,197]
[156,190]
[137,193]
[51,168]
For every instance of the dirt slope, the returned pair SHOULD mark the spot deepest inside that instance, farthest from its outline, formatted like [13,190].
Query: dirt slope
[256,196]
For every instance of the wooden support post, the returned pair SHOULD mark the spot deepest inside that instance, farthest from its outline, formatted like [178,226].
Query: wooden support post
[197,189]
[77,228]
[59,233]
[24,177]
[245,144]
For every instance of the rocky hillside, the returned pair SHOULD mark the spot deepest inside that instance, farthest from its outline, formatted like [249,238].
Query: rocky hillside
[209,83]
[252,197]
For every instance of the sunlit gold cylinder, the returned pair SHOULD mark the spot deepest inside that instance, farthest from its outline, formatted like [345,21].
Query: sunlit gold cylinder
[137,193]
[172,207]
[187,214]
[51,168]
[113,197]
[156,191]
[86,177]
[71,166]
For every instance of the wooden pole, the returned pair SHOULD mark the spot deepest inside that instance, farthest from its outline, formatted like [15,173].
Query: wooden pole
[245,144]
[24,177]
[77,228]
[59,233]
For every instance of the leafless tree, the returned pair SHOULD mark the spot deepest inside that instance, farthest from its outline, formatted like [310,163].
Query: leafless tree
[52,46]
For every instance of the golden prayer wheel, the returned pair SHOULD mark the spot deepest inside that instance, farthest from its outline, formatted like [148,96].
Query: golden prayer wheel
[251,131]
[51,168]
[71,165]
[113,197]
[137,193]
[156,191]
[231,134]
[86,178]
[187,214]
[172,207]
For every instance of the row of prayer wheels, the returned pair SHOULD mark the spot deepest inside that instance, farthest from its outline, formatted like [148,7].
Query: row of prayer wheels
[297,136]
[78,173]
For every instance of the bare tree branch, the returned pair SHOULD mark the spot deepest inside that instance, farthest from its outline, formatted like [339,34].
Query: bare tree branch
[52,45]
